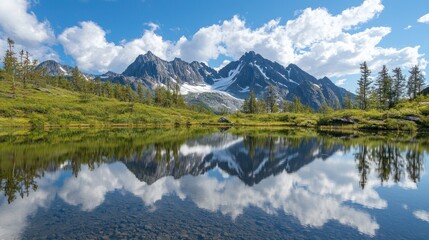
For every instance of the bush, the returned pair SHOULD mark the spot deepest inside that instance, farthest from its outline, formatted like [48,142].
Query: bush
[36,122]
[7,113]
[34,109]
[84,98]
[397,124]
[72,116]
[425,110]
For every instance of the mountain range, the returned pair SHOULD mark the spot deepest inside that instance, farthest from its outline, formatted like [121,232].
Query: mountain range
[247,158]
[225,89]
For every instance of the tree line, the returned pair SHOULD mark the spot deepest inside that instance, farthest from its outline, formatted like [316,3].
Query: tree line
[387,90]
[384,92]
[21,70]
[268,103]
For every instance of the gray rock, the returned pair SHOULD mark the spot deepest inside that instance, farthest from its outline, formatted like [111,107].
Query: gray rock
[413,118]
[343,121]
[223,120]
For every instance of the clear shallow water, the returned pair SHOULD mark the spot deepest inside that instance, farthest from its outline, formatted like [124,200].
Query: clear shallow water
[208,184]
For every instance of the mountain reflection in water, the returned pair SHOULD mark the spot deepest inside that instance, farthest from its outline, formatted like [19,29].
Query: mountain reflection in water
[314,177]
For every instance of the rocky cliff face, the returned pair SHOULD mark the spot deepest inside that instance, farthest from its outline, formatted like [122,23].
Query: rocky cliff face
[252,72]
[155,71]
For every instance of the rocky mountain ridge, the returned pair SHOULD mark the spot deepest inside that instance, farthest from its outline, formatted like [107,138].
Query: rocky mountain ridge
[223,90]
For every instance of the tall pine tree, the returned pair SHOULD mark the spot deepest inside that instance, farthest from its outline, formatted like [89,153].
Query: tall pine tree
[253,103]
[398,82]
[415,82]
[384,88]
[271,99]
[77,80]
[10,63]
[364,84]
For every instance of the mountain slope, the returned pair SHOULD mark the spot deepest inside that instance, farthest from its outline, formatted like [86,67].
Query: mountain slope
[224,89]
[237,156]
[253,72]
[155,71]
[425,91]
[55,69]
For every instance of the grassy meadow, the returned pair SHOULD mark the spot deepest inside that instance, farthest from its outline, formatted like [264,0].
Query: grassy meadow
[56,107]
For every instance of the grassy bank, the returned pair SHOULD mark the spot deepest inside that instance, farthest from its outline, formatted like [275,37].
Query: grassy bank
[56,107]
[50,106]
[407,116]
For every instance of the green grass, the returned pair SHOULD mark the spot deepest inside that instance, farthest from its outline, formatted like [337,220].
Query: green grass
[393,119]
[56,107]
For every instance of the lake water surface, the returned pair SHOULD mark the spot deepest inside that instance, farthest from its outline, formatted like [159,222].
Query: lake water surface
[213,184]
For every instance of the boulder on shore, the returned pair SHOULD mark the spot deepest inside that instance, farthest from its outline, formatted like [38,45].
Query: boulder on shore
[223,120]
[343,121]
[413,118]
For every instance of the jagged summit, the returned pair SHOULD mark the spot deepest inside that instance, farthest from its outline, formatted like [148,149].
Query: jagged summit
[54,68]
[250,56]
[147,57]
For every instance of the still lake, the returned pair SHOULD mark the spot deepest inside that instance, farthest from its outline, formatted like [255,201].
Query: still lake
[213,184]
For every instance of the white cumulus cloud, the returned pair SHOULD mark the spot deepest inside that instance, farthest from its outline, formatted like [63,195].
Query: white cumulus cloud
[319,42]
[341,82]
[424,19]
[88,45]
[20,24]
[422,215]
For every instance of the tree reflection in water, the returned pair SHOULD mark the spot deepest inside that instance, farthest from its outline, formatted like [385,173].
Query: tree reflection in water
[155,153]
[390,161]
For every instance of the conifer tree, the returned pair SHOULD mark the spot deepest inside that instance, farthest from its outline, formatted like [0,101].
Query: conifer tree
[364,84]
[1,73]
[148,99]
[415,82]
[398,82]
[287,106]
[297,106]
[245,106]
[253,105]
[140,94]
[27,69]
[384,88]
[271,99]
[117,91]
[261,106]
[77,80]
[109,90]
[158,98]
[129,93]
[10,63]
[348,102]
[98,88]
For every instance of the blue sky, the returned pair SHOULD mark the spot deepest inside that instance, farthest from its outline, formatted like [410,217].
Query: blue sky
[324,37]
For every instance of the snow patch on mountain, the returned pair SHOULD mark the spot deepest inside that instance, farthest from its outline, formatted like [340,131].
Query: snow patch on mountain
[64,71]
[260,70]
[317,86]
[186,88]
[244,90]
[223,83]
